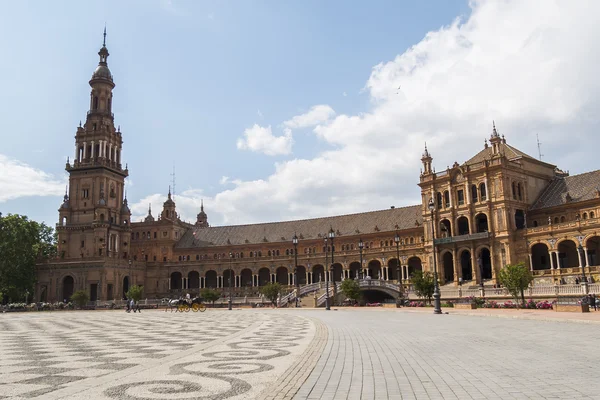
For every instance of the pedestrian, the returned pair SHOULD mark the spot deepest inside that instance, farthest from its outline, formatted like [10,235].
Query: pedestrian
[128,306]
[593,302]
[131,305]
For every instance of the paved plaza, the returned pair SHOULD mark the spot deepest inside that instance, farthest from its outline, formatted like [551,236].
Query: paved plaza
[294,353]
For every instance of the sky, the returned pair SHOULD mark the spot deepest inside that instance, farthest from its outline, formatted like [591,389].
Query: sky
[279,110]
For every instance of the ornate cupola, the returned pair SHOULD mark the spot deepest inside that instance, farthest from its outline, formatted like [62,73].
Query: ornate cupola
[426,159]
[149,217]
[169,208]
[202,219]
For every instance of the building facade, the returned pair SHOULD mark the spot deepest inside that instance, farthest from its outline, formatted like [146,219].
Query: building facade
[500,207]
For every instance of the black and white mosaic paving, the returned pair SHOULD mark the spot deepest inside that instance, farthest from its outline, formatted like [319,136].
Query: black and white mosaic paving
[152,355]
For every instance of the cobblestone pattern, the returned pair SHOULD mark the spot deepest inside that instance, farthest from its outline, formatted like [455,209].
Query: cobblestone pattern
[294,377]
[114,355]
[375,354]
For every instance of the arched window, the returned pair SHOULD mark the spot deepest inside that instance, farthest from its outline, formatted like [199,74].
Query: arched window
[351,246]
[514,191]
[556,220]
[143,235]
[197,257]
[287,252]
[269,253]
[482,194]
[439,200]
[188,257]
[535,223]
[519,192]
[585,216]
[277,252]
[474,193]
[386,243]
[412,240]
[446,199]
[562,219]
[242,254]
[592,215]
[95,103]
[259,254]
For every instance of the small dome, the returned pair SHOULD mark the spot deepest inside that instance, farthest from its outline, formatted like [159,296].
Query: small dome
[65,203]
[102,72]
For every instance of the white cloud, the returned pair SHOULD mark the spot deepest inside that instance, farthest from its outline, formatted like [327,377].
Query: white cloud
[20,180]
[531,68]
[315,116]
[344,94]
[260,139]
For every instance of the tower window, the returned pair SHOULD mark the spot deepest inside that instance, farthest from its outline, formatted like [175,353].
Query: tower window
[461,197]
[95,102]
[82,244]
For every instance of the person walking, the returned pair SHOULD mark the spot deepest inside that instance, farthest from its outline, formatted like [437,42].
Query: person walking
[128,306]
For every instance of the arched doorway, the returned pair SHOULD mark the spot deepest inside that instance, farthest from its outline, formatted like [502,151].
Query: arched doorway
[126,286]
[481,222]
[486,263]
[337,272]
[318,274]
[194,280]
[448,265]
[445,229]
[175,281]
[355,270]
[374,269]
[246,277]
[593,249]
[282,276]
[264,276]
[568,256]
[465,265]
[210,279]
[414,264]
[540,258]
[394,269]
[462,225]
[68,287]
[301,275]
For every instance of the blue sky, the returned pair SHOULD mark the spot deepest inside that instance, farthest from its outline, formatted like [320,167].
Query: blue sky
[212,88]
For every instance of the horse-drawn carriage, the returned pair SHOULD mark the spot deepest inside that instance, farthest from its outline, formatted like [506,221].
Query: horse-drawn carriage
[184,305]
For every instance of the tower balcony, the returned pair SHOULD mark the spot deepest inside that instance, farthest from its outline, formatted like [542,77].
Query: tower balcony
[462,238]
[95,162]
[104,113]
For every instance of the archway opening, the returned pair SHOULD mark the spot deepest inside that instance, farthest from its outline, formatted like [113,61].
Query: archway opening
[246,277]
[481,222]
[228,278]
[486,263]
[593,249]
[394,269]
[568,256]
[337,271]
[282,276]
[318,274]
[194,280]
[301,275]
[414,264]
[175,281]
[126,284]
[355,271]
[448,265]
[374,269]
[68,287]
[445,229]
[210,279]
[377,296]
[463,225]
[264,276]
[540,258]
[465,265]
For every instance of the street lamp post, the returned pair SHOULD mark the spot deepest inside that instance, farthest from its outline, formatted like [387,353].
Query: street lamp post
[295,243]
[229,304]
[437,307]
[397,240]
[360,249]
[332,236]
[326,269]
[581,261]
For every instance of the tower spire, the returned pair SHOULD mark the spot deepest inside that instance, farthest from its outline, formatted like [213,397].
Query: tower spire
[104,41]
[201,204]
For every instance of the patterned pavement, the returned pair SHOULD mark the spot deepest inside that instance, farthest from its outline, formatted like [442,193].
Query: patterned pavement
[294,353]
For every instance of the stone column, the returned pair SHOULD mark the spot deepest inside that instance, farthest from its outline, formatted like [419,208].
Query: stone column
[587,256]
[76,152]
[474,266]
[531,261]
[552,266]
[93,149]
[84,150]
[457,271]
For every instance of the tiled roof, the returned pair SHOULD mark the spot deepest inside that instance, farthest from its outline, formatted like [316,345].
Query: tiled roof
[508,151]
[344,225]
[569,189]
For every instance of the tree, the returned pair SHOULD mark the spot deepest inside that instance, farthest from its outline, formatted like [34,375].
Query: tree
[210,295]
[351,289]
[135,293]
[22,244]
[271,291]
[423,284]
[515,278]
[80,297]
